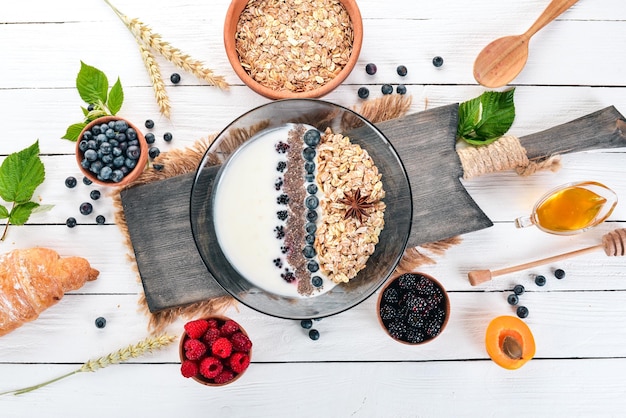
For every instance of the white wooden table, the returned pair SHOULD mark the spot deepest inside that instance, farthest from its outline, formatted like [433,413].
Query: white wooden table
[577,65]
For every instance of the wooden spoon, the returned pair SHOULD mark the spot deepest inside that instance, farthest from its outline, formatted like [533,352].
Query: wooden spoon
[503,59]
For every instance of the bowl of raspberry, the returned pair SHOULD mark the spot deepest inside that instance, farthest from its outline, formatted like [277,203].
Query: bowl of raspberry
[214,351]
[111,151]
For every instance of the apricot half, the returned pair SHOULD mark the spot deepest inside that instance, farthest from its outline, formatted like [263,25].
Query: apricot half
[509,342]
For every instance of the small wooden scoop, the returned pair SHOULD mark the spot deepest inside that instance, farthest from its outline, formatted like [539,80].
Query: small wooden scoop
[613,244]
[503,59]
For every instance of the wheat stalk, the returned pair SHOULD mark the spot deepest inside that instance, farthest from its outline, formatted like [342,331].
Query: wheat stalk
[158,85]
[153,40]
[147,345]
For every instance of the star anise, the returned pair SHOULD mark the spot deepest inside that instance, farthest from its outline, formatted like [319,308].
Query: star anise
[356,205]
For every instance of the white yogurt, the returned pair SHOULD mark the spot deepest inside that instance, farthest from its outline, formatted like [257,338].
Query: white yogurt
[245,214]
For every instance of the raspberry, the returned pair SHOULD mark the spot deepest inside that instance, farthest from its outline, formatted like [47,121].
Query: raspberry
[194,349]
[196,329]
[224,377]
[213,323]
[189,368]
[222,347]
[229,328]
[211,335]
[241,342]
[239,362]
[210,367]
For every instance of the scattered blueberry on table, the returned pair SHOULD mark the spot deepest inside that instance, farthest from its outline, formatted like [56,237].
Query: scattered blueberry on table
[363,92]
[522,311]
[100,322]
[386,89]
[559,273]
[150,138]
[513,299]
[71,182]
[149,124]
[70,222]
[401,89]
[437,61]
[100,219]
[371,68]
[95,194]
[401,70]
[175,78]
[540,280]
[518,289]
[167,137]
[306,323]
[86,208]
[314,334]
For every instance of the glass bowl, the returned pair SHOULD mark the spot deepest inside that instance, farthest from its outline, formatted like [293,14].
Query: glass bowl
[321,115]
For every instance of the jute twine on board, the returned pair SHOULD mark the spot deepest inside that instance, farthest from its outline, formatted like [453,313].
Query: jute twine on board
[501,156]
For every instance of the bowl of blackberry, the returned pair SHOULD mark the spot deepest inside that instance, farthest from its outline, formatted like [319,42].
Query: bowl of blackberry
[111,151]
[413,308]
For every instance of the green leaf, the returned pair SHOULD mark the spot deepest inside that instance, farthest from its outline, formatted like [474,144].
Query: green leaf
[43,208]
[4,212]
[21,212]
[73,131]
[116,97]
[92,84]
[486,118]
[20,174]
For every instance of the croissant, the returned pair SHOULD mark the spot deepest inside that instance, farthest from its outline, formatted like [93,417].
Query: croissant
[34,279]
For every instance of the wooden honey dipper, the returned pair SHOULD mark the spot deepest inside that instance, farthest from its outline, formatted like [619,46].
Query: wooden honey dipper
[613,244]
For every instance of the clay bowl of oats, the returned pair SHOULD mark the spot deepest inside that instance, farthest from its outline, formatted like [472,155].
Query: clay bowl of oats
[293,48]
[301,209]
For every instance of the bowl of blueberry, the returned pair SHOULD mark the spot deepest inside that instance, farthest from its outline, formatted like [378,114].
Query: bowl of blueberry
[111,151]
[301,209]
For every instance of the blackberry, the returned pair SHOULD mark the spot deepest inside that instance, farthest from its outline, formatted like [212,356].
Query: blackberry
[95,194]
[391,295]
[283,199]
[100,219]
[518,289]
[282,215]
[149,124]
[401,70]
[433,328]
[371,68]
[314,334]
[282,147]
[363,92]
[70,222]
[288,276]
[317,281]
[85,208]
[306,324]
[281,166]
[312,137]
[386,89]
[540,280]
[513,299]
[414,335]
[100,322]
[416,320]
[175,78]
[388,313]
[401,89]
[71,182]
[167,137]
[311,189]
[397,329]
[522,311]
[278,183]
[280,232]
[407,281]
[437,61]
[414,303]
[559,273]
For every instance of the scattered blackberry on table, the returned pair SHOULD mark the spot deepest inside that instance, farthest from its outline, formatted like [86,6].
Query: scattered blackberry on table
[100,219]
[175,78]
[386,89]
[306,323]
[522,311]
[312,137]
[518,289]
[154,152]
[70,222]
[559,273]
[317,281]
[540,280]
[437,61]
[95,194]
[167,137]
[371,68]
[86,208]
[149,123]
[402,70]
[513,299]
[314,334]
[401,89]
[363,92]
[100,322]
[71,182]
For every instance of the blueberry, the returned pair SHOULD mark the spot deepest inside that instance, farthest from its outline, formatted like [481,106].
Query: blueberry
[90,108]
[310,178]
[317,281]
[559,273]
[310,227]
[105,173]
[522,311]
[96,166]
[149,124]
[311,216]
[150,138]
[311,202]
[401,89]
[309,239]
[371,68]
[111,124]
[363,92]
[402,70]
[386,89]
[309,167]
[158,167]
[104,127]
[120,126]
[70,182]
[153,152]
[116,151]
[100,220]
[314,334]
[95,130]
[83,145]
[110,133]
[100,322]
[91,155]
[129,163]
[70,222]
[306,323]
[312,137]
[513,299]
[308,251]
[106,148]
[175,78]
[311,188]
[308,153]
[117,176]
[107,159]
[118,161]
[120,137]
[540,280]
[518,289]
[437,61]
[167,136]
[131,134]
[94,194]
[87,181]
[133,153]
[312,266]
[86,208]
[114,143]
